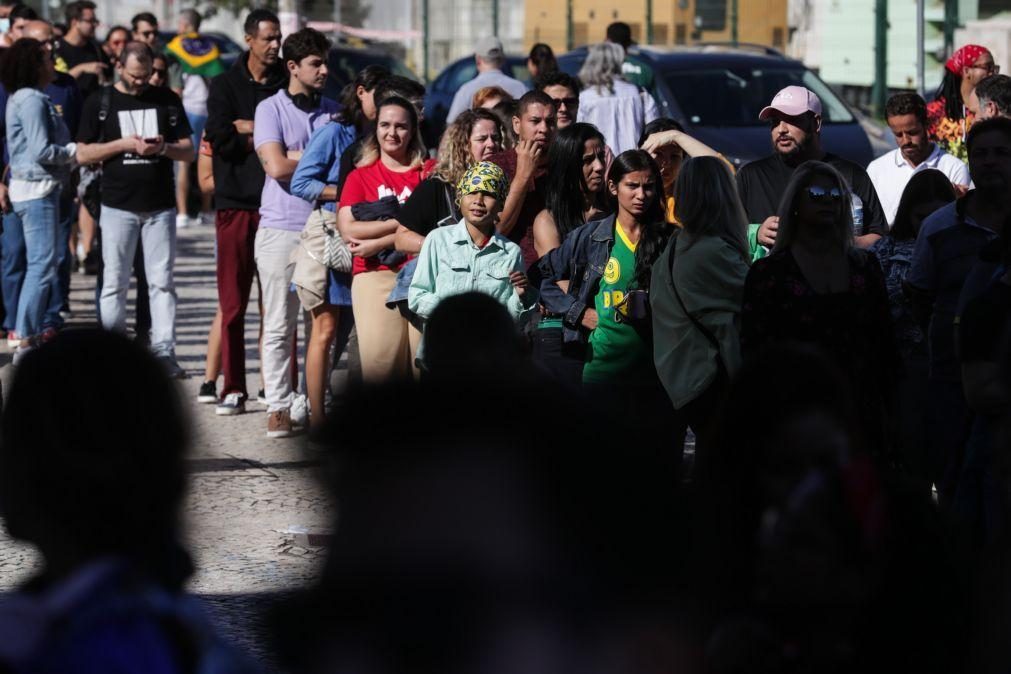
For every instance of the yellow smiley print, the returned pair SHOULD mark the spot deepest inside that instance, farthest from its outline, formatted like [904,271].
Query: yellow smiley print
[612,272]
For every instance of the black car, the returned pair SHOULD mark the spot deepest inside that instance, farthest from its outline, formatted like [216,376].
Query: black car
[717,91]
[344,63]
[442,89]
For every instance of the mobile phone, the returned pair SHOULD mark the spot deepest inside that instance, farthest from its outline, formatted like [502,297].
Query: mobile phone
[152,140]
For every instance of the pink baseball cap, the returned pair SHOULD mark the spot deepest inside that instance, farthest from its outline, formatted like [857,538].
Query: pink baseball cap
[793,101]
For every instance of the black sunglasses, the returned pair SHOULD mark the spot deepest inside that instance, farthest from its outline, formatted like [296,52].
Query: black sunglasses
[147,33]
[567,102]
[816,193]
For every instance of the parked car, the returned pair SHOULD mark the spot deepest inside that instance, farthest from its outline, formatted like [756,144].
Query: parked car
[442,89]
[717,91]
[344,63]
[229,48]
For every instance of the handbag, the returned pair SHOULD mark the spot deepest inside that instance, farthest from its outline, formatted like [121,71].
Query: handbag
[323,243]
[336,254]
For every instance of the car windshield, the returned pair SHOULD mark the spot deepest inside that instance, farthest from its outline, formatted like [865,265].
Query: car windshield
[735,96]
[344,65]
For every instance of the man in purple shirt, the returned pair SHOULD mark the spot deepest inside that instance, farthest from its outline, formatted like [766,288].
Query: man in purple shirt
[281,129]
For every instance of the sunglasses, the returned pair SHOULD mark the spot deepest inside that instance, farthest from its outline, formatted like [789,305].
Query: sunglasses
[160,72]
[816,194]
[147,33]
[567,102]
[988,68]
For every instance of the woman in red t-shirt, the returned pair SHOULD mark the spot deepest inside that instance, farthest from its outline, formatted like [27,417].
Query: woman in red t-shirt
[392,162]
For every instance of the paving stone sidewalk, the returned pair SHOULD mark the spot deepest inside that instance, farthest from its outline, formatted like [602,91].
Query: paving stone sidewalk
[248,494]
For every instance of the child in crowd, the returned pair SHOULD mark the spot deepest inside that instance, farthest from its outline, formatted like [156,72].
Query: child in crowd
[472,255]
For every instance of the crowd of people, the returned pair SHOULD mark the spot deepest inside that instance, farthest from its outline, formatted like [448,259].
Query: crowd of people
[835,337]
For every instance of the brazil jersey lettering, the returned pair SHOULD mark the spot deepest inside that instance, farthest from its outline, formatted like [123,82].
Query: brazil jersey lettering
[615,352]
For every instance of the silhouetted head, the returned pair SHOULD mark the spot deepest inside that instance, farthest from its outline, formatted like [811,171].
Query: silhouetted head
[470,337]
[91,454]
[499,535]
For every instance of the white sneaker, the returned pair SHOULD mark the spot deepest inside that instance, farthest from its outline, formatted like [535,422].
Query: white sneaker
[299,411]
[182,221]
[231,405]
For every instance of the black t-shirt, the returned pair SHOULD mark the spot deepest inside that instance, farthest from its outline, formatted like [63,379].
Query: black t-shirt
[762,182]
[130,182]
[428,207]
[69,56]
[984,330]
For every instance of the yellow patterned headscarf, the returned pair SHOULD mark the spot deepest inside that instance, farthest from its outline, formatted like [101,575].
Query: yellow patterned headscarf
[483,177]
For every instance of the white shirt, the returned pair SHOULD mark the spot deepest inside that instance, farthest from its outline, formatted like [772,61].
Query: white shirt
[890,173]
[490,78]
[620,116]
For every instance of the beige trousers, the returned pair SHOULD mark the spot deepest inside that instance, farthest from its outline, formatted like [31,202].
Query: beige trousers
[387,342]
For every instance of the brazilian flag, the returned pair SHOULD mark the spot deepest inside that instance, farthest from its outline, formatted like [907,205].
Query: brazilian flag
[197,55]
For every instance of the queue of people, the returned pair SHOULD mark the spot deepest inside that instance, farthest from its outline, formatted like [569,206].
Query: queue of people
[825,331]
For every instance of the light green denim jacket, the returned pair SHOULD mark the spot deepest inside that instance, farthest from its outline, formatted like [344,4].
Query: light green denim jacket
[450,264]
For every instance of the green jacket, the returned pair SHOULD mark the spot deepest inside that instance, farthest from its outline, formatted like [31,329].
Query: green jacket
[709,274]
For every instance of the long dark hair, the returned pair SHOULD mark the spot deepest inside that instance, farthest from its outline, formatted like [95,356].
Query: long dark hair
[655,231]
[951,91]
[706,202]
[923,187]
[22,65]
[543,58]
[368,77]
[565,194]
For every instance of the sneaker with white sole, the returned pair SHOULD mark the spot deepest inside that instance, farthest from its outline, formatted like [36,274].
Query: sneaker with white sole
[234,404]
[183,221]
[279,424]
[299,411]
[261,396]
[208,393]
[13,340]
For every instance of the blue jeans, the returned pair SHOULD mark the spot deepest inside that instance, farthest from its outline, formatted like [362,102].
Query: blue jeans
[155,232]
[39,225]
[13,263]
[197,123]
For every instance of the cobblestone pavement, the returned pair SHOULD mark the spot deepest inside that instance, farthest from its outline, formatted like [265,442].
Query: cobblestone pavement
[248,494]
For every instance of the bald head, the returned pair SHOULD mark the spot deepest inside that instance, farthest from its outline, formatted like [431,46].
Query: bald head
[39,30]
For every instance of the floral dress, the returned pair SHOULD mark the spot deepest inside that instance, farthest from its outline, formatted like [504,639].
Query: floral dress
[853,328]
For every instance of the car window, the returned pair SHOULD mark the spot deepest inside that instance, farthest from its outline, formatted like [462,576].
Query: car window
[734,97]
[462,73]
[519,71]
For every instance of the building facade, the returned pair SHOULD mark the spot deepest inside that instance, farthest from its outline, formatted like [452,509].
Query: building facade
[674,22]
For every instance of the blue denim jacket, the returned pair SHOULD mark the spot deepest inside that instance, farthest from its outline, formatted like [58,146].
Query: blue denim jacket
[37,138]
[580,260]
[320,163]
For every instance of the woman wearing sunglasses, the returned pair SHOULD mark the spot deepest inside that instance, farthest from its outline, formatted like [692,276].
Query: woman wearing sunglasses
[816,287]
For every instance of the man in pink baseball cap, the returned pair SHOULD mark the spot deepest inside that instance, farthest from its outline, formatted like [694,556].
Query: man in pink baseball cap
[795,117]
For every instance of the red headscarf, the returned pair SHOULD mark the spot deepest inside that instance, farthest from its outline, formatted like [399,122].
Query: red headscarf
[964,57]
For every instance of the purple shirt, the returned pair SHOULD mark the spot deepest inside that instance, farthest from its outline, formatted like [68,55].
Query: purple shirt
[279,121]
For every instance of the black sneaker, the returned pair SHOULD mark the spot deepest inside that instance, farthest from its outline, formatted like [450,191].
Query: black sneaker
[172,368]
[261,397]
[208,393]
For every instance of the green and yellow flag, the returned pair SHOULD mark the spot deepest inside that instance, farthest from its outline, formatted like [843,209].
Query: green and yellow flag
[197,55]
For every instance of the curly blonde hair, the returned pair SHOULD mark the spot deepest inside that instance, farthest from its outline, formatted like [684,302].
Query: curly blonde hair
[454,148]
